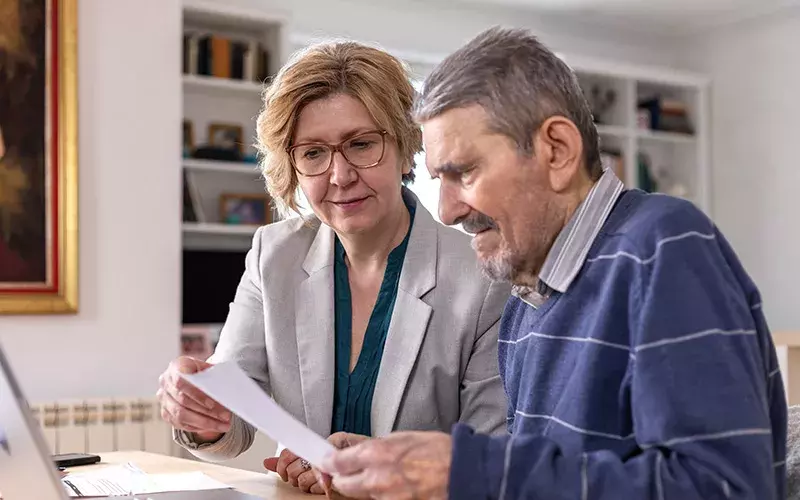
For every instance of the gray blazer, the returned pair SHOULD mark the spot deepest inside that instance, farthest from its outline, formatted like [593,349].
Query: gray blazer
[439,363]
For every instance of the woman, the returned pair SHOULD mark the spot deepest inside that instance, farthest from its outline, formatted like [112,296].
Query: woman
[369,316]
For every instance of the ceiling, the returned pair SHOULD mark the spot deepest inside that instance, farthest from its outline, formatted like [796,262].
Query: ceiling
[664,17]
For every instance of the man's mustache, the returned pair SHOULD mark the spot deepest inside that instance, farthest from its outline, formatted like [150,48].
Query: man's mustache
[477,223]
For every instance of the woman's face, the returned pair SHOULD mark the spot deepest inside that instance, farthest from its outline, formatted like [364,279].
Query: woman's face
[351,200]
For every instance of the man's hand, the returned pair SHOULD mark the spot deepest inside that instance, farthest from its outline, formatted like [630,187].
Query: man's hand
[399,466]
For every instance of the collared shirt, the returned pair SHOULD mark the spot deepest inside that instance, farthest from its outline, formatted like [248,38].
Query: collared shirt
[568,253]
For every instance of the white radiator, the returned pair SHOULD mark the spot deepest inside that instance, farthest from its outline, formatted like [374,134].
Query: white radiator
[97,426]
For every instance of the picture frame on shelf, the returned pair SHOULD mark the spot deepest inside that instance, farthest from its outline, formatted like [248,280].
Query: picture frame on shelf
[39,158]
[245,209]
[196,342]
[188,139]
[226,136]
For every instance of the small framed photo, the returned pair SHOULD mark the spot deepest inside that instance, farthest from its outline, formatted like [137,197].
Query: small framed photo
[188,138]
[225,136]
[253,209]
[196,342]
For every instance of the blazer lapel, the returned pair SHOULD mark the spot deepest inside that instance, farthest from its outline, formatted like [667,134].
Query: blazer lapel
[409,320]
[314,318]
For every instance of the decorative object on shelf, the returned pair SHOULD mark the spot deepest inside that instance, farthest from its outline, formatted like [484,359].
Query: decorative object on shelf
[668,184]
[667,115]
[196,342]
[253,209]
[188,139]
[224,143]
[647,181]
[211,54]
[39,160]
[601,101]
[192,209]
[643,121]
[612,159]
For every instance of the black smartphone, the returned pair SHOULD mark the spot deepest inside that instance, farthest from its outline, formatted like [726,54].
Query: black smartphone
[75,459]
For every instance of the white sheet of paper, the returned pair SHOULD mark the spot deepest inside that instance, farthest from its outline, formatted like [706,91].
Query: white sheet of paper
[231,387]
[128,479]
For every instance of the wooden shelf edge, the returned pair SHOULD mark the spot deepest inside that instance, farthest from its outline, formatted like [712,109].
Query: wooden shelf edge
[221,166]
[217,228]
[215,83]
[787,339]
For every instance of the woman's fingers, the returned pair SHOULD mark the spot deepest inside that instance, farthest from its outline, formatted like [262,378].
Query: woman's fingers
[306,480]
[185,418]
[286,459]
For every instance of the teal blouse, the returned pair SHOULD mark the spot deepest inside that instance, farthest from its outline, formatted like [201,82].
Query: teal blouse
[352,392]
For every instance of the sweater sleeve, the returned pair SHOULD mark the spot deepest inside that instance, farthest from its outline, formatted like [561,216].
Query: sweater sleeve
[698,395]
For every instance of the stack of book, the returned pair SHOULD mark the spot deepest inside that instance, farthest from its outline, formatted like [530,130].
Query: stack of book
[668,115]
[224,57]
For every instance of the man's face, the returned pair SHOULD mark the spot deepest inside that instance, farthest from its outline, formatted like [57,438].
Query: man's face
[500,195]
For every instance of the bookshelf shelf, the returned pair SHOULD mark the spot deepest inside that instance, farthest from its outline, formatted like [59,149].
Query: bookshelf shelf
[222,167]
[613,131]
[673,137]
[213,228]
[214,84]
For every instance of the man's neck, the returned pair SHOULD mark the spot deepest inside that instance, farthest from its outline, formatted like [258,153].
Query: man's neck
[568,203]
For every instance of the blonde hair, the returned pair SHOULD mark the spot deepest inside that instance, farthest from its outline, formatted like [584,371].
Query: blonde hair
[377,79]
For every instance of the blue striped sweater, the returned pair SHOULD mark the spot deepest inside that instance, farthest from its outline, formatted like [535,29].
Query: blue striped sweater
[653,376]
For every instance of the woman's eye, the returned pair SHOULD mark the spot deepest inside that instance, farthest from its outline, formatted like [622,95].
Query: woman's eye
[361,144]
[312,154]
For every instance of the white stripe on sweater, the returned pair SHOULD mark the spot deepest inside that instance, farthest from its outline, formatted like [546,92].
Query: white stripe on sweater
[659,244]
[692,336]
[710,437]
[574,428]
[570,339]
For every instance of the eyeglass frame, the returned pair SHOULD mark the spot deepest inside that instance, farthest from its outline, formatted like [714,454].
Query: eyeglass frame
[338,147]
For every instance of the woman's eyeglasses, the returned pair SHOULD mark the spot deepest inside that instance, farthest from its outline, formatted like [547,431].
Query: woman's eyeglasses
[361,151]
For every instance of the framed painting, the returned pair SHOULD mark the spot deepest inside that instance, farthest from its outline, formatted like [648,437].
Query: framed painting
[38,157]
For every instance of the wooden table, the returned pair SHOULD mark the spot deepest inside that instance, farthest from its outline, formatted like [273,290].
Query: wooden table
[267,485]
[790,340]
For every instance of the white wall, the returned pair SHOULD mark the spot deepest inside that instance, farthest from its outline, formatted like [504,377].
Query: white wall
[436,27]
[755,136]
[129,126]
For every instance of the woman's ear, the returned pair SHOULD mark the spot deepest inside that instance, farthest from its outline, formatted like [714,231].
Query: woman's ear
[559,146]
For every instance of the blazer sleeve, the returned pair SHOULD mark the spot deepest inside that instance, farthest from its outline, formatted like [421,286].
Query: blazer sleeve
[241,341]
[483,399]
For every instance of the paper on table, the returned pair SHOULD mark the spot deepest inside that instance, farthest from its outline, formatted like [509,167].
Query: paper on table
[130,480]
[231,387]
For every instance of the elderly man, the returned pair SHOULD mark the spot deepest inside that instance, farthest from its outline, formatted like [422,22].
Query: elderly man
[635,354]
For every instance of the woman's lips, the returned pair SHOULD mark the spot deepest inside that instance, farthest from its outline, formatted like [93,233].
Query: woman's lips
[351,203]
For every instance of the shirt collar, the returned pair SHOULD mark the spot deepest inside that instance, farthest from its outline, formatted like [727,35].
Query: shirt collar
[569,251]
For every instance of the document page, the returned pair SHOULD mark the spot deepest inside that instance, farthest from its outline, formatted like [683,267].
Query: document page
[130,480]
[231,387]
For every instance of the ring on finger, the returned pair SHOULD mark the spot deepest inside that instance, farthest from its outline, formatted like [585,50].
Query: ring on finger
[304,464]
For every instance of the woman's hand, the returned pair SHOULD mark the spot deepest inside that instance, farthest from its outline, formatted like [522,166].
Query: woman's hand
[188,408]
[295,471]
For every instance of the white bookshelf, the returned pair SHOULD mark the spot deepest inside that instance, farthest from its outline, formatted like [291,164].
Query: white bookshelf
[679,162]
[211,99]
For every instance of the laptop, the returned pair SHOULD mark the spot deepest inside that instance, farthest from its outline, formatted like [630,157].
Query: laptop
[27,470]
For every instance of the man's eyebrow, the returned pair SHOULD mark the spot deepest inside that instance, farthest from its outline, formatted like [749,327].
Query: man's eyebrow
[451,168]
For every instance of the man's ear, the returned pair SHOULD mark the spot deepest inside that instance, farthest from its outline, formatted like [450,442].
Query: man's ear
[559,148]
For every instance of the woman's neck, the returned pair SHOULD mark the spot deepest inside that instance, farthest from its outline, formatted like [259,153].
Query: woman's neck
[369,251]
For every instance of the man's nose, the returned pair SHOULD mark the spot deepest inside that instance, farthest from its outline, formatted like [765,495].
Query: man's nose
[451,209]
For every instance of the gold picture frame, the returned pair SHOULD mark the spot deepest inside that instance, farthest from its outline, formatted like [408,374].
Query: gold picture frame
[44,201]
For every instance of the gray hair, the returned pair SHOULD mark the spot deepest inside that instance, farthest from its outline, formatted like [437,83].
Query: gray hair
[519,82]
